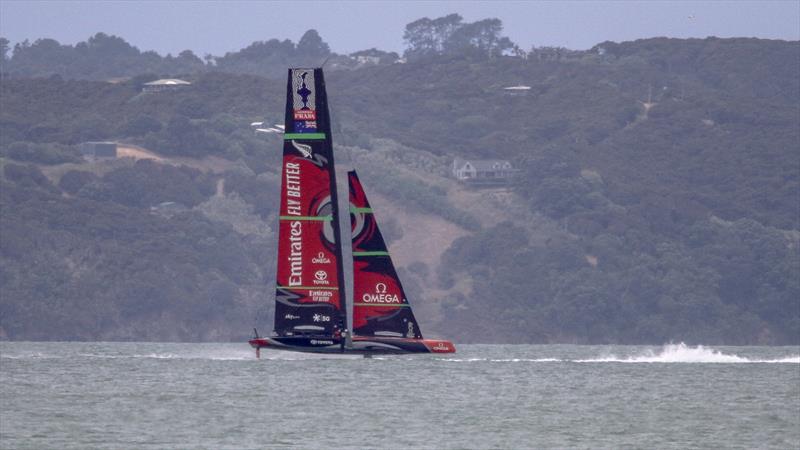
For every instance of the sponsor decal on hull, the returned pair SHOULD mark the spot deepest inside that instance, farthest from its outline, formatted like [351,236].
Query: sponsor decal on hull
[440,346]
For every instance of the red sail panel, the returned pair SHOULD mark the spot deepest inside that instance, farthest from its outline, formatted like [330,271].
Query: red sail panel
[380,306]
[309,274]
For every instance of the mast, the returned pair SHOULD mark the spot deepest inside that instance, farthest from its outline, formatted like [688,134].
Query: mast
[310,299]
[324,126]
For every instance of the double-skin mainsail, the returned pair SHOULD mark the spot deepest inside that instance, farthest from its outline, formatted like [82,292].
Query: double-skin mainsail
[310,310]
[309,288]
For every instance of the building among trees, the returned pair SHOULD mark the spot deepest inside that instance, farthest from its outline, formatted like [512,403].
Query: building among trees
[517,90]
[483,171]
[165,84]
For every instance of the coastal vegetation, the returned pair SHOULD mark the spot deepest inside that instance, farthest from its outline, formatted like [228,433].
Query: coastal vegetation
[656,197]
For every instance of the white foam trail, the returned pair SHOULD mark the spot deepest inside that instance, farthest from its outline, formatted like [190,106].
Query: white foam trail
[24,356]
[504,359]
[682,353]
[671,353]
[283,355]
[211,357]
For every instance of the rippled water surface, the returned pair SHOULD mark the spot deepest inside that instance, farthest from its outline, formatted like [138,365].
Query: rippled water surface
[147,395]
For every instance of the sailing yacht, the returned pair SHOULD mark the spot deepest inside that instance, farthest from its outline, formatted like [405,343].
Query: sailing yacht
[310,301]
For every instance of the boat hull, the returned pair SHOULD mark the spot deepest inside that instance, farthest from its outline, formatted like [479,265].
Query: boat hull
[361,345]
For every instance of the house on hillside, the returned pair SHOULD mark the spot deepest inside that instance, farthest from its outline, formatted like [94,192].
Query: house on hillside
[168,209]
[165,84]
[516,90]
[372,57]
[92,151]
[368,60]
[483,171]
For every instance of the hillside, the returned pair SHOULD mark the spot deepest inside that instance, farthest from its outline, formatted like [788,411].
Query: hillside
[656,200]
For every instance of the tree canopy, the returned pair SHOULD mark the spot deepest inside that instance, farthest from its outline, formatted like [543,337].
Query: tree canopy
[655,197]
[449,35]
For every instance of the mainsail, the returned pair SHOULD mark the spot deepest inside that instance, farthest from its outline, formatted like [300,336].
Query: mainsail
[310,287]
[380,306]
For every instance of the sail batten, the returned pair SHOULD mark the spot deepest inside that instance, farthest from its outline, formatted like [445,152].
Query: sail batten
[306,136]
[373,253]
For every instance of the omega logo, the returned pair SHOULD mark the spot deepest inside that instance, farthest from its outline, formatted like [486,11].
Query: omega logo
[321,259]
[380,295]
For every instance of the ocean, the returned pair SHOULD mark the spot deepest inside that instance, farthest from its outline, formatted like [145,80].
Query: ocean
[218,396]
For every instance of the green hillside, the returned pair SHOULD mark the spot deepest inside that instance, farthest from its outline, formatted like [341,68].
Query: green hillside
[656,199]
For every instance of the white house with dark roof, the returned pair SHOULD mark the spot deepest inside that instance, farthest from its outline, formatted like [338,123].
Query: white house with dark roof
[483,171]
[164,84]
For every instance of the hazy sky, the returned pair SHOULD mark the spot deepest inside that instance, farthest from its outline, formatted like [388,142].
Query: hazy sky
[219,26]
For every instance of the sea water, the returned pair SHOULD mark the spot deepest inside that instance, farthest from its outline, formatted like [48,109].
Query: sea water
[151,395]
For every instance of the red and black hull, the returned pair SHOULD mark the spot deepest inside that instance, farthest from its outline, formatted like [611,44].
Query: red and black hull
[360,345]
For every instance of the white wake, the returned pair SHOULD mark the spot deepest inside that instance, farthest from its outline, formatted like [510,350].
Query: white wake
[682,353]
[670,353]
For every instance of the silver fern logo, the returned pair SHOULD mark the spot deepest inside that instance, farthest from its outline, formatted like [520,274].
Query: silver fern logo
[304,149]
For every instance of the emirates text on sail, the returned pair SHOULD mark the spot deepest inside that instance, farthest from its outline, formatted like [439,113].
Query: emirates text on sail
[295,258]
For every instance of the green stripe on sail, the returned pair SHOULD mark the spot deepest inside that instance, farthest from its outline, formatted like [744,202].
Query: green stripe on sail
[304,136]
[309,288]
[319,218]
[370,253]
[384,305]
[353,209]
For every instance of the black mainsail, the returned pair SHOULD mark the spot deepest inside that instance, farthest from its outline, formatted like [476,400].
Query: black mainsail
[309,297]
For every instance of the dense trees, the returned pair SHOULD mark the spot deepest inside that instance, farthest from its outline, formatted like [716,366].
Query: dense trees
[104,57]
[108,57]
[4,48]
[311,44]
[448,35]
[675,221]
